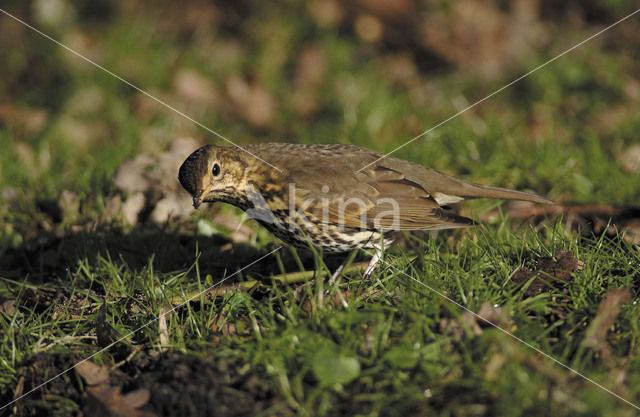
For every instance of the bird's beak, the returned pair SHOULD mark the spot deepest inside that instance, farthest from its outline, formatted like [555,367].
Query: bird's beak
[197,199]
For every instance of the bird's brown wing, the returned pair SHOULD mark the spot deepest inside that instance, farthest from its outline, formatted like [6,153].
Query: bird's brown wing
[447,189]
[391,193]
[377,198]
[326,163]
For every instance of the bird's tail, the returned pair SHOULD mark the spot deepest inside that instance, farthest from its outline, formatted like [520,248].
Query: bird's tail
[472,190]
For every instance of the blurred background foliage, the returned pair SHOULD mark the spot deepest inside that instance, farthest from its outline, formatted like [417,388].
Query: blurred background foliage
[369,72]
[78,145]
[374,73]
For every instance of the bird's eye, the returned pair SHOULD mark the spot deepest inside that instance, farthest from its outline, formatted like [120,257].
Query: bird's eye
[215,170]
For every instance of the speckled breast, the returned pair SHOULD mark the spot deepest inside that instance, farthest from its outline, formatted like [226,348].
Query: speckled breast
[332,238]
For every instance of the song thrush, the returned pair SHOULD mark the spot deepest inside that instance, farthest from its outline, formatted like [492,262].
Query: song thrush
[320,195]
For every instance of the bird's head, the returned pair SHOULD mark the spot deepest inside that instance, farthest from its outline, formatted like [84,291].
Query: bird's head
[213,173]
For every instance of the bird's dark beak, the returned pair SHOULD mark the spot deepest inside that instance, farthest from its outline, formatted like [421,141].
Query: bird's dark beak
[197,199]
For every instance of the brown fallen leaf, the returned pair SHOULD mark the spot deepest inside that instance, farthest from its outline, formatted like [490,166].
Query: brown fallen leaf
[107,400]
[69,204]
[172,205]
[474,324]
[27,120]
[549,272]
[8,307]
[126,211]
[493,314]
[577,209]
[459,327]
[596,334]
[326,13]
[483,37]
[251,101]
[191,86]
[148,188]
[368,28]
[162,325]
[132,174]
[630,159]
[394,10]
[240,233]
[589,219]
[92,373]
[311,66]
[27,156]
[562,266]
[401,69]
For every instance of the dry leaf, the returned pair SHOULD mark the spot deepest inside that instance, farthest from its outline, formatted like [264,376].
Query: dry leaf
[457,328]
[326,13]
[132,207]
[588,219]
[608,310]
[368,28]
[69,204]
[401,69]
[28,120]
[397,10]
[8,307]
[92,373]
[562,267]
[471,321]
[172,205]
[630,159]
[162,325]
[549,272]
[483,37]
[107,400]
[132,175]
[493,314]
[252,101]
[240,233]
[194,87]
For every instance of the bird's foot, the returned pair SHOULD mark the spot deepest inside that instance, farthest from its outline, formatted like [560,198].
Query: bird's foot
[372,264]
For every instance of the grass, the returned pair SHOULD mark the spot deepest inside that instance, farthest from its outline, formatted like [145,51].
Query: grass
[74,282]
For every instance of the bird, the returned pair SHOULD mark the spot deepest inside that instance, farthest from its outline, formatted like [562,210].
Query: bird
[335,197]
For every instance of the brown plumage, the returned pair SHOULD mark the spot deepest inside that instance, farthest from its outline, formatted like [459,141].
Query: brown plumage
[320,195]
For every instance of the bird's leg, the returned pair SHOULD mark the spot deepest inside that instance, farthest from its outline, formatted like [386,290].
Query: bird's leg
[336,274]
[372,263]
[343,265]
[379,248]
